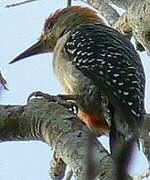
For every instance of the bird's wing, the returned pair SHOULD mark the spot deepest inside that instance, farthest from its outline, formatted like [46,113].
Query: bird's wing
[111,62]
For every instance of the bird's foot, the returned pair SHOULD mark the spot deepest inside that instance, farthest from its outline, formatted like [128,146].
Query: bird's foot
[60,98]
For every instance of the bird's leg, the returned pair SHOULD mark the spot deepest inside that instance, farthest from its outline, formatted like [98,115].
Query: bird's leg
[60,98]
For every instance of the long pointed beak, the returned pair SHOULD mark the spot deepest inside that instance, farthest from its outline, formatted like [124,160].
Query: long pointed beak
[35,49]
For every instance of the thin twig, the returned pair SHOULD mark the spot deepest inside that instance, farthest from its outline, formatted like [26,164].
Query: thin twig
[68,2]
[3,82]
[20,3]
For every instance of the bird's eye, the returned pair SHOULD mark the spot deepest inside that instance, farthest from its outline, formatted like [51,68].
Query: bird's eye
[50,24]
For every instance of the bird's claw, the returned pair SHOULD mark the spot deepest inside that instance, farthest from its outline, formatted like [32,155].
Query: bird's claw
[61,99]
[70,104]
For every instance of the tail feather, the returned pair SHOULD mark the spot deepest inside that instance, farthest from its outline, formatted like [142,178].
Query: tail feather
[124,158]
[120,132]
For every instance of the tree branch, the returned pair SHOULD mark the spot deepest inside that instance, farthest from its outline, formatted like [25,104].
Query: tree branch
[3,82]
[69,2]
[20,3]
[105,10]
[124,4]
[135,21]
[55,125]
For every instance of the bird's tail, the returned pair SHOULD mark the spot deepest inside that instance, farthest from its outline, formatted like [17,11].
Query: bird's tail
[124,158]
[120,133]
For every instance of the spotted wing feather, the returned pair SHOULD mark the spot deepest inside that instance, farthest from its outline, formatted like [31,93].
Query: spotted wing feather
[107,58]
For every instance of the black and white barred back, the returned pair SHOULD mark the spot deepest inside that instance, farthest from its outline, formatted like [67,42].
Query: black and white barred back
[111,62]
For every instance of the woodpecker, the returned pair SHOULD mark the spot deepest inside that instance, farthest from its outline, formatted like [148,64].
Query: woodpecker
[97,63]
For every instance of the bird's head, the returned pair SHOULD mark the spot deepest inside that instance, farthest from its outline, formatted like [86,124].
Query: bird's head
[56,25]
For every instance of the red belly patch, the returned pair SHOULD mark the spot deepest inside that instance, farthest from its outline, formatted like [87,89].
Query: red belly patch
[96,122]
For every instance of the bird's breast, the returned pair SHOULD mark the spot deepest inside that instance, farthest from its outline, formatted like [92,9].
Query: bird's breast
[72,79]
[76,83]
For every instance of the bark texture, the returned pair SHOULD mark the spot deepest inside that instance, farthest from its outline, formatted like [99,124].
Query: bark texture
[134,22]
[61,129]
